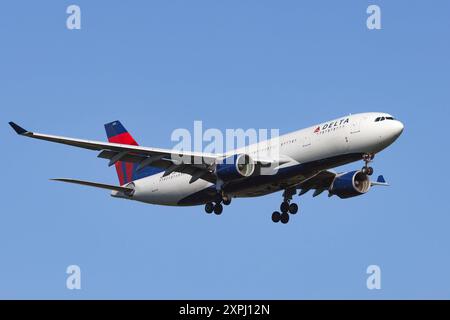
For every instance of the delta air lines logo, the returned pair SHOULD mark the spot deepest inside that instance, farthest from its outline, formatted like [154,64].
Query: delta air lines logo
[331,126]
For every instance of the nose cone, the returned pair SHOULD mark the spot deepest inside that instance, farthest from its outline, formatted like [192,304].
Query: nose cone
[397,128]
[393,130]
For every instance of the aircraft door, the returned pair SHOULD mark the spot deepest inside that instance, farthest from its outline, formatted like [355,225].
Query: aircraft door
[355,126]
[353,135]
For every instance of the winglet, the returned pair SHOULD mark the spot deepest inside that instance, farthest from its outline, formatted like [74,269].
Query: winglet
[18,129]
[380,182]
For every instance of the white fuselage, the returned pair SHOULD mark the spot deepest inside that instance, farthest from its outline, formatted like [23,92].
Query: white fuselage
[322,146]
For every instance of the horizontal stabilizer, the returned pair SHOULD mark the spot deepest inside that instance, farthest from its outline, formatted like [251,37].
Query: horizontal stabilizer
[125,190]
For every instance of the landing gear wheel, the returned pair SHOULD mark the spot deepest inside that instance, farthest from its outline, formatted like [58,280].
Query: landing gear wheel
[284,207]
[209,207]
[367,170]
[368,157]
[226,201]
[218,208]
[284,218]
[276,216]
[293,208]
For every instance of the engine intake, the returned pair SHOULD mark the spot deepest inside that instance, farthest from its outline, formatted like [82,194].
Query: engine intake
[350,184]
[235,167]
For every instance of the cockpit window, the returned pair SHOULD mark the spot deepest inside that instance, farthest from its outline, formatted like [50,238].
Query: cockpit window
[383,118]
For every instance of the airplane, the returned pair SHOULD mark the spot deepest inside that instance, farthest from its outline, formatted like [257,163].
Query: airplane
[303,162]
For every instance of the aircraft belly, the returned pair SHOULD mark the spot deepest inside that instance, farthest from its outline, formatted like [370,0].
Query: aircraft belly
[285,177]
[267,188]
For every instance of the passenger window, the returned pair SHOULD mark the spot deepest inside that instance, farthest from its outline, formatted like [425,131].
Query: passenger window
[377,119]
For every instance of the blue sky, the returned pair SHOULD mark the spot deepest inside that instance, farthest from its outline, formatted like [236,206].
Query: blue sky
[160,65]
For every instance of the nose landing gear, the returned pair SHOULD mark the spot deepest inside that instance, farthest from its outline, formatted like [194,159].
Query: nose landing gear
[286,208]
[367,158]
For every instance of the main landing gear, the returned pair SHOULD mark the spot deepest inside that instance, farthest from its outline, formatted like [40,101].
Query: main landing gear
[217,206]
[286,208]
[367,157]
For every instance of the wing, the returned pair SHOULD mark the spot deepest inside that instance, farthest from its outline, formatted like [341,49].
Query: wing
[319,182]
[115,148]
[194,163]
[324,179]
[197,164]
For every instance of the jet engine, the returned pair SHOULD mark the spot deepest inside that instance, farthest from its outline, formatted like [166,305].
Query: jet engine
[350,184]
[237,166]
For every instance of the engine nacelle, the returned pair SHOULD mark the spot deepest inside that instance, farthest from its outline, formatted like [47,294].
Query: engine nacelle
[237,166]
[350,184]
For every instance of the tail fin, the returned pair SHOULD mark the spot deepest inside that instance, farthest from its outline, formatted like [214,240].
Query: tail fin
[117,133]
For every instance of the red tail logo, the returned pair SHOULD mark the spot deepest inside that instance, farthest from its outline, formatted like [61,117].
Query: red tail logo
[117,133]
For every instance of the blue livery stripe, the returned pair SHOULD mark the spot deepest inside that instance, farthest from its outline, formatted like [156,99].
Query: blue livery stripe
[114,128]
